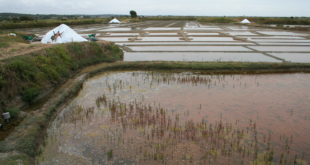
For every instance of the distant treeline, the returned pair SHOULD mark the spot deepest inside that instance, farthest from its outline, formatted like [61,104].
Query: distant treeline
[50,23]
[23,17]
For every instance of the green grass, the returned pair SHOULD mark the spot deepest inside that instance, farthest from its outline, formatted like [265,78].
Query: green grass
[210,67]
[7,41]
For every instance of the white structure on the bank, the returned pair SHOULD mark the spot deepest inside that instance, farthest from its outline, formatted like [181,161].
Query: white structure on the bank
[115,21]
[245,21]
[62,34]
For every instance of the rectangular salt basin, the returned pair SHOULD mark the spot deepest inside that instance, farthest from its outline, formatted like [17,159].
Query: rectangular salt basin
[160,29]
[86,30]
[114,39]
[123,34]
[197,56]
[201,28]
[282,48]
[276,37]
[241,33]
[238,27]
[206,26]
[281,33]
[281,41]
[212,38]
[202,34]
[186,43]
[289,44]
[117,29]
[160,39]
[162,34]
[294,57]
[189,48]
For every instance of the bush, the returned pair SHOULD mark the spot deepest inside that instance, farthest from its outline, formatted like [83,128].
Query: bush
[14,112]
[2,82]
[30,94]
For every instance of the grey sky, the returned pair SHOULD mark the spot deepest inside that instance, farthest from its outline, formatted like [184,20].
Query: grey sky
[161,7]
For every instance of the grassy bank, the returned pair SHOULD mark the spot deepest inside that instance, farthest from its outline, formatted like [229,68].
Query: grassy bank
[50,23]
[24,143]
[26,79]
[207,67]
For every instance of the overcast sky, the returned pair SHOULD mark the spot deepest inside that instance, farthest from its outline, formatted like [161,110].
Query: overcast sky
[161,7]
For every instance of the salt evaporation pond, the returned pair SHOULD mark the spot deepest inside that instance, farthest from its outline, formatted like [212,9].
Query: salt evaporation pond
[189,48]
[184,43]
[198,57]
[183,118]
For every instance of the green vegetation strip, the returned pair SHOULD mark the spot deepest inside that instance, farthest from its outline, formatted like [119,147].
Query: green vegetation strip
[49,23]
[209,67]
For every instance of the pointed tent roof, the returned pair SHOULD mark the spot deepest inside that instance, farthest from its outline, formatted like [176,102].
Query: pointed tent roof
[245,21]
[62,34]
[115,21]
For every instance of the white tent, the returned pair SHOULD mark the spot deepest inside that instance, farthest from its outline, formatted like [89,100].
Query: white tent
[245,21]
[115,21]
[62,34]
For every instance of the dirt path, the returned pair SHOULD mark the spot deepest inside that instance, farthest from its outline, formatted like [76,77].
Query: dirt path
[19,49]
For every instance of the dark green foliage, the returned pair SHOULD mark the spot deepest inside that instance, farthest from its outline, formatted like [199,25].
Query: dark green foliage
[30,94]
[133,14]
[110,155]
[14,112]
[2,82]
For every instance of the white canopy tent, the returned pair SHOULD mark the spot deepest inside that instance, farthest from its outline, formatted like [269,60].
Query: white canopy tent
[115,21]
[245,21]
[62,34]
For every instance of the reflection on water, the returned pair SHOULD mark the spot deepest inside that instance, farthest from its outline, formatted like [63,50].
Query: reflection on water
[184,118]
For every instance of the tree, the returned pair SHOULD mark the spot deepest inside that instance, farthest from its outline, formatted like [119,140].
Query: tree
[26,18]
[133,14]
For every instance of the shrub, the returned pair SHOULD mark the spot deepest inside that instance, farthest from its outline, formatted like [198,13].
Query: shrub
[30,94]
[14,112]
[2,82]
